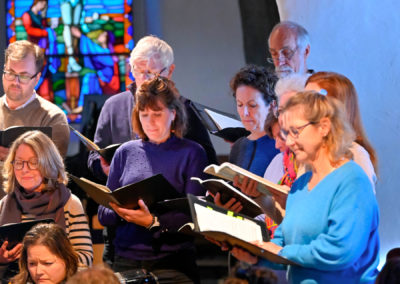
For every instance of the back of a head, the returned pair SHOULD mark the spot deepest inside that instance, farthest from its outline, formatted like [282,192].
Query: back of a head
[21,49]
[294,82]
[292,29]
[390,273]
[94,275]
[340,87]
[154,48]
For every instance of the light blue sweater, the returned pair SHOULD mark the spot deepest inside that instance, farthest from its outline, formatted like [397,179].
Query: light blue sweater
[332,230]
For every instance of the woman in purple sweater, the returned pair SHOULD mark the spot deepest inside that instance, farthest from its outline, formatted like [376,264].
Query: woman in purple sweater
[147,239]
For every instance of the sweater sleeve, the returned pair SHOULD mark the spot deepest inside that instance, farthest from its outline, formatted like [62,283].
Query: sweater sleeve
[78,230]
[108,217]
[172,221]
[353,216]
[60,132]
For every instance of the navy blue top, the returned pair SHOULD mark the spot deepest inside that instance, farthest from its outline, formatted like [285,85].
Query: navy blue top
[253,155]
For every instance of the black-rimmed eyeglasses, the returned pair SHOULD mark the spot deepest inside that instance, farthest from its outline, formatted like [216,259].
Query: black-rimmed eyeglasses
[33,164]
[24,79]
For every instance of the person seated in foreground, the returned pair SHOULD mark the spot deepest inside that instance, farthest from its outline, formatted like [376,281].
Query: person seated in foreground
[35,182]
[94,275]
[321,230]
[47,256]
[147,239]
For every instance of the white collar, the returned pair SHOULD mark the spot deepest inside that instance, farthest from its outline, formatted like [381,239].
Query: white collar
[23,105]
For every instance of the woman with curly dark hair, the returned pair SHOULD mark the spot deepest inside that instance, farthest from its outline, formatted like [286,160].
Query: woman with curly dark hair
[253,89]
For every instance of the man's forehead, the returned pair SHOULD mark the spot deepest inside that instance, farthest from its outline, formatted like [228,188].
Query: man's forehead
[25,65]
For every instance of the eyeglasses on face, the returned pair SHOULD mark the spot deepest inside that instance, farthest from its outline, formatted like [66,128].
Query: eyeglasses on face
[147,74]
[286,53]
[294,132]
[32,164]
[24,79]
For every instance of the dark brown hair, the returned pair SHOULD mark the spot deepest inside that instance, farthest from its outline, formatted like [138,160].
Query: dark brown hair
[151,93]
[258,78]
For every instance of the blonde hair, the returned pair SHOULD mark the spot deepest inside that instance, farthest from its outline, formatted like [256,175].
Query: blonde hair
[152,47]
[99,274]
[20,49]
[51,165]
[341,88]
[315,107]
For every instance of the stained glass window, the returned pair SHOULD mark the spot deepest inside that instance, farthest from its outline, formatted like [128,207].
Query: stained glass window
[87,45]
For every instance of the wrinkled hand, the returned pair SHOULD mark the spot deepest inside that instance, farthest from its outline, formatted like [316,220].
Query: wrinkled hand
[7,256]
[141,216]
[231,205]
[3,153]
[244,255]
[105,166]
[247,186]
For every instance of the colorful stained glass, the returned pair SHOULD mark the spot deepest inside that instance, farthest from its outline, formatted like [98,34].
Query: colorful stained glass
[87,45]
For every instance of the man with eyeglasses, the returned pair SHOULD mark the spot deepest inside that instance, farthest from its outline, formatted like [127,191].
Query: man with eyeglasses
[21,106]
[289,46]
[151,57]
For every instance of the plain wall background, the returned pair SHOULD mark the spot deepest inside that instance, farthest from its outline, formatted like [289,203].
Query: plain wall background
[360,39]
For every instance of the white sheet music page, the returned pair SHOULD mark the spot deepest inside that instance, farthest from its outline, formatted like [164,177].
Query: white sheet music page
[212,220]
[223,121]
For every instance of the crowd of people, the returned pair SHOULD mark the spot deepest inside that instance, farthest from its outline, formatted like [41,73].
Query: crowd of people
[305,133]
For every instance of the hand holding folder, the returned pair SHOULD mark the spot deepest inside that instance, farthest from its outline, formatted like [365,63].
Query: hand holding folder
[235,230]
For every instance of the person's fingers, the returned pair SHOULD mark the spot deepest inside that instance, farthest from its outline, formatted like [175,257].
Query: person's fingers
[143,205]
[237,207]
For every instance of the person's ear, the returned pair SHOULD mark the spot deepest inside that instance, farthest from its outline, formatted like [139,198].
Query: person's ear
[170,71]
[173,114]
[325,126]
[37,78]
[307,51]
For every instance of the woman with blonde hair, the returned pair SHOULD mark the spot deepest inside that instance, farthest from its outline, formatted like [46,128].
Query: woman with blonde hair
[322,230]
[35,182]
[47,256]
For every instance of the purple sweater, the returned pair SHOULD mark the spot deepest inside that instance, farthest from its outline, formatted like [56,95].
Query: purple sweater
[114,126]
[177,160]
